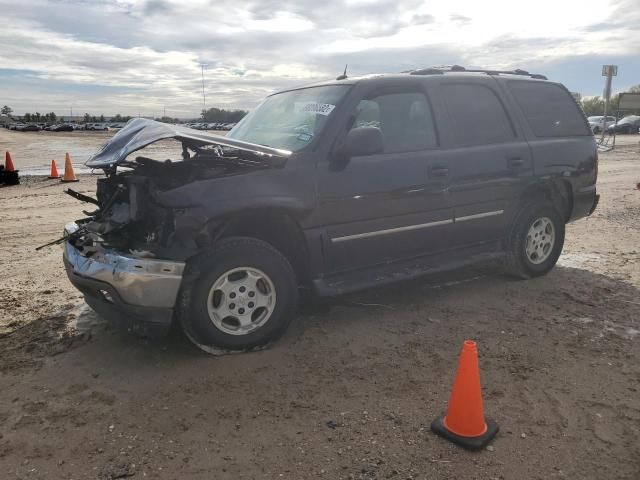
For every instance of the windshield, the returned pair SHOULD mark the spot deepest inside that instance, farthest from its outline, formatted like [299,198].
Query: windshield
[290,120]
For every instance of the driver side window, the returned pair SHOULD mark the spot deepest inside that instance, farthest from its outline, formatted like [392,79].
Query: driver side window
[405,120]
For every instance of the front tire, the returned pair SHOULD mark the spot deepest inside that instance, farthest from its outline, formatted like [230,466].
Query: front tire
[535,242]
[244,295]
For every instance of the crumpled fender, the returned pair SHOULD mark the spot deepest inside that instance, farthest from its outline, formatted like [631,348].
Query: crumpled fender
[205,200]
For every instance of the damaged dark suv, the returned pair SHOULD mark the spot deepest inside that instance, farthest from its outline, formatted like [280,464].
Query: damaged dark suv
[337,186]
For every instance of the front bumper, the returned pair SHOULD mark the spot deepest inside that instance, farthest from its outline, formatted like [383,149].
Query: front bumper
[138,293]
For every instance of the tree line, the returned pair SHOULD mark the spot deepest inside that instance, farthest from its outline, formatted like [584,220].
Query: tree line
[212,115]
[51,117]
[220,115]
[594,106]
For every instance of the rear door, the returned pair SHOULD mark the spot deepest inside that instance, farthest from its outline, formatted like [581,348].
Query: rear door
[391,205]
[489,157]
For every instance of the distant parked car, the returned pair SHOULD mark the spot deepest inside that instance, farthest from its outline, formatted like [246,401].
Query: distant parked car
[17,126]
[62,128]
[598,123]
[32,127]
[96,126]
[629,124]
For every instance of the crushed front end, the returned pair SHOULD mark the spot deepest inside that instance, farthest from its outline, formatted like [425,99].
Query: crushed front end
[136,293]
[128,255]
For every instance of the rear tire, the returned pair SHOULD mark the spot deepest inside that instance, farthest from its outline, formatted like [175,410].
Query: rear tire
[244,295]
[535,242]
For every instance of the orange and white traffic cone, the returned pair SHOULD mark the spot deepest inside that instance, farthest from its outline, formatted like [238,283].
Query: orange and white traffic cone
[69,176]
[11,176]
[54,170]
[465,423]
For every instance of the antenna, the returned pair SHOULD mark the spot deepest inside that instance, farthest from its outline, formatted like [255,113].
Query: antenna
[344,75]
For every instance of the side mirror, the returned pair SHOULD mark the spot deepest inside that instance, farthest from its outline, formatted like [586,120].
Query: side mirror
[364,141]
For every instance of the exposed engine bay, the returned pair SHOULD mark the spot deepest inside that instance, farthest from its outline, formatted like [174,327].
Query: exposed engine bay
[141,210]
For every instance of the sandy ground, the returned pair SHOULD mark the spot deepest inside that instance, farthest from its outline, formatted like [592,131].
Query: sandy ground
[349,392]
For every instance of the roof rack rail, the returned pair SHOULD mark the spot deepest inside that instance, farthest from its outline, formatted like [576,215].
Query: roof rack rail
[457,68]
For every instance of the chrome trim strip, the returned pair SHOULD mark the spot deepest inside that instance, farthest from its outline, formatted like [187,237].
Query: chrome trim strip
[391,230]
[479,215]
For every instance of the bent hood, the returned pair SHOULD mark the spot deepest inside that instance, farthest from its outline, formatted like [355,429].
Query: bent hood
[140,132]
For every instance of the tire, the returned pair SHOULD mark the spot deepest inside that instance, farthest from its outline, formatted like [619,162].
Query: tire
[523,259]
[596,130]
[239,275]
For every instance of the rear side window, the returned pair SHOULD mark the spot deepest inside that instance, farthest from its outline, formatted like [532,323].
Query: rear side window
[549,109]
[477,115]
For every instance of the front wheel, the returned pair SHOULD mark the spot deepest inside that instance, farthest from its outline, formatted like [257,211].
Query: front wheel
[535,242]
[244,296]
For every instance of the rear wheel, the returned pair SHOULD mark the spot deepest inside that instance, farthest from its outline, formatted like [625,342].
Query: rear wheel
[536,241]
[244,296]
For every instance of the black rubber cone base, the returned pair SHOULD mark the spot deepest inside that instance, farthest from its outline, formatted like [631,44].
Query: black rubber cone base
[69,181]
[470,443]
[11,178]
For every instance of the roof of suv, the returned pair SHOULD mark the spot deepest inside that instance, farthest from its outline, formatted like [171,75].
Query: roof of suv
[453,71]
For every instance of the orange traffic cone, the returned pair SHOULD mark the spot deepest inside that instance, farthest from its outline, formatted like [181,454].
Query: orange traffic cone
[69,176]
[11,176]
[8,163]
[54,170]
[465,423]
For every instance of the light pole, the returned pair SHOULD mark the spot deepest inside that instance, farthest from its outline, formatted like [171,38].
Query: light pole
[608,71]
[204,101]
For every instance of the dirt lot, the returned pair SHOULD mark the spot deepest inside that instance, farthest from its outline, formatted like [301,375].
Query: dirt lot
[350,391]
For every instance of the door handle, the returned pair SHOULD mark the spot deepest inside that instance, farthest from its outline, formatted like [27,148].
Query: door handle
[440,171]
[516,162]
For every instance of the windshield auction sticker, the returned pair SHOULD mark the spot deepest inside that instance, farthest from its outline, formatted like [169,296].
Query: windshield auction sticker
[314,107]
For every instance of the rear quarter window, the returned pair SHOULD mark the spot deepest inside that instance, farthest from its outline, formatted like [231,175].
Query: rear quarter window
[549,109]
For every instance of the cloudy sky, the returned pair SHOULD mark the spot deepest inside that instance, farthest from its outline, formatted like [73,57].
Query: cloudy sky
[142,56]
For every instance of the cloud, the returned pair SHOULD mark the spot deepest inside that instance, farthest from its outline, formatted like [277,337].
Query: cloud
[460,19]
[135,56]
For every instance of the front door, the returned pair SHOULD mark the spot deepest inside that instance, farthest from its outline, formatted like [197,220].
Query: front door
[394,204]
